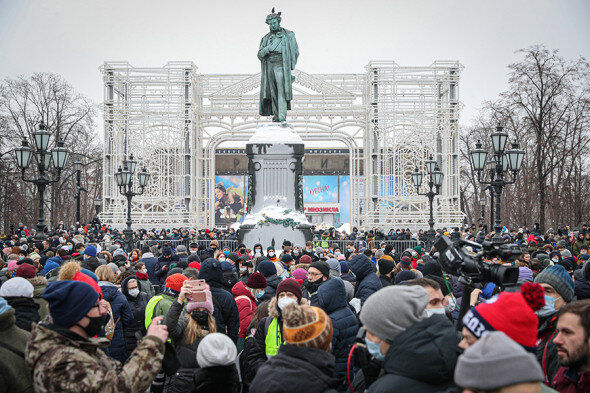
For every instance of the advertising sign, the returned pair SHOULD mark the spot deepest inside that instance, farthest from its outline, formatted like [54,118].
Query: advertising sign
[230,199]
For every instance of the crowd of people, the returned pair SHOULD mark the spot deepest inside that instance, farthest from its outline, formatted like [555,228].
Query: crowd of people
[343,312]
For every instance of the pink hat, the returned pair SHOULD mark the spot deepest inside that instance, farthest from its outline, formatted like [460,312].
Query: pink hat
[341,258]
[207,304]
[12,265]
[299,274]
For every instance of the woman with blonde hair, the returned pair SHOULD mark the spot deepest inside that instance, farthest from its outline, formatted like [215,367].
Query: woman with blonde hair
[187,329]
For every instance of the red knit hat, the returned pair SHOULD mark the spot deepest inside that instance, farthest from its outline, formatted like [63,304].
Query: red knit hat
[290,285]
[195,265]
[512,313]
[26,271]
[256,281]
[306,259]
[175,281]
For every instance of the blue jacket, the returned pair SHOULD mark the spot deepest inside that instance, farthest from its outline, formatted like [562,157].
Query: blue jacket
[332,299]
[367,282]
[123,342]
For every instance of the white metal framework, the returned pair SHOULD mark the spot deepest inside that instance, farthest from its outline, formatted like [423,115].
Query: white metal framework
[389,118]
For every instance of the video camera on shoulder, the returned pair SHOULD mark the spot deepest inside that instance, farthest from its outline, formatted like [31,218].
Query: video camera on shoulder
[456,260]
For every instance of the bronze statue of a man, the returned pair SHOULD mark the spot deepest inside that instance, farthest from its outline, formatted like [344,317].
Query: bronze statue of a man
[278,55]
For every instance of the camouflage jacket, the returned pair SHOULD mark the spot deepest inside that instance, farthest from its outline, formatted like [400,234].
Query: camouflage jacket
[63,363]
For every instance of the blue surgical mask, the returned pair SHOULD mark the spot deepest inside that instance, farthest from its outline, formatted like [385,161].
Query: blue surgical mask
[226,252]
[337,253]
[433,311]
[374,349]
[549,307]
[259,294]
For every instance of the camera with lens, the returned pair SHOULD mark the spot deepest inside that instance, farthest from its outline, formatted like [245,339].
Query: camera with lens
[456,259]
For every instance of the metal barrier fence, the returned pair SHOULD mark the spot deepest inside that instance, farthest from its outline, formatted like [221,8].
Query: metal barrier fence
[398,245]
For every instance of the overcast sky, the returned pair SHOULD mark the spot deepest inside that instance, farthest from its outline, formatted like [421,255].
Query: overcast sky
[74,37]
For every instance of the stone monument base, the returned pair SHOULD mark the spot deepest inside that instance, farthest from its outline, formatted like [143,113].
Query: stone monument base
[275,197]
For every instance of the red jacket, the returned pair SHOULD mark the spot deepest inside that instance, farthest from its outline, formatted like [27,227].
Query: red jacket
[246,306]
[564,381]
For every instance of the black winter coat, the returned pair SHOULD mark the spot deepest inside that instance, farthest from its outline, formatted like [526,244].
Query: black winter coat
[367,281]
[137,305]
[546,349]
[226,314]
[272,282]
[229,276]
[421,359]
[332,299]
[26,311]
[124,341]
[582,289]
[217,379]
[294,368]
[385,281]
[160,272]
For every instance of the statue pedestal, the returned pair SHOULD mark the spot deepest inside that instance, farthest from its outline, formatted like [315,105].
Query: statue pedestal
[275,194]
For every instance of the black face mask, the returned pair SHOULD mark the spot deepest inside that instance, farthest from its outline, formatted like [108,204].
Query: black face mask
[312,286]
[201,317]
[242,250]
[95,325]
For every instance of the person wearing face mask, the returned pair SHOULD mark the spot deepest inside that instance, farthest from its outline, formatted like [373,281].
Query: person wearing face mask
[271,254]
[245,268]
[296,254]
[230,278]
[186,331]
[257,251]
[137,301]
[559,290]
[398,334]
[269,271]
[246,296]
[64,357]
[269,333]
[304,363]
[143,280]
[317,274]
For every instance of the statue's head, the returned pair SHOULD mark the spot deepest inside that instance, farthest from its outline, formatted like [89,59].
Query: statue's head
[274,20]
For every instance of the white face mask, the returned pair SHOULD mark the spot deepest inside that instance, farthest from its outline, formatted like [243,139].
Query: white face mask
[134,292]
[144,271]
[432,311]
[271,254]
[221,259]
[285,301]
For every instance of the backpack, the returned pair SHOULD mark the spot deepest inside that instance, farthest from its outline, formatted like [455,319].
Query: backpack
[109,329]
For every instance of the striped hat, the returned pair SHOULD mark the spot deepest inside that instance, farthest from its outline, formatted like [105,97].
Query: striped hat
[307,326]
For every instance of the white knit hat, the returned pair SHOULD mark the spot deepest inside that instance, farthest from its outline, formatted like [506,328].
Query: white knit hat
[216,349]
[17,286]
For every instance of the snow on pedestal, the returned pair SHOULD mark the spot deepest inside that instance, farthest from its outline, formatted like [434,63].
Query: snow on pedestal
[275,199]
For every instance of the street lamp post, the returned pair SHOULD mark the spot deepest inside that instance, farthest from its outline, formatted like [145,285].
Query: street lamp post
[482,202]
[434,183]
[502,162]
[58,155]
[124,178]
[97,205]
[78,167]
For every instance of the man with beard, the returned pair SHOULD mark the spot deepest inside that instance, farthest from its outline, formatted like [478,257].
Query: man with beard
[573,348]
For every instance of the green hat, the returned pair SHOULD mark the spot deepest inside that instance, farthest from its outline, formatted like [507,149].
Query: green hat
[418,249]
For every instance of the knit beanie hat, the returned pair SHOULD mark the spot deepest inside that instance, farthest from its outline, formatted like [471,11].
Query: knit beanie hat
[26,271]
[322,266]
[512,313]
[216,349]
[233,256]
[290,285]
[334,267]
[406,260]
[267,268]
[256,281]
[69,301]
[299,274]
[287,258]
[307,326]
[385,266]
[269,248]
[393,309]
[344,267]
[559,279]
[12,265]
[305,259]
[499,356]
[195,265]
[17,286]
[404,275]
[166,251]
[49,266]
[90,251]
[525,274]
[207,304]
[175,281]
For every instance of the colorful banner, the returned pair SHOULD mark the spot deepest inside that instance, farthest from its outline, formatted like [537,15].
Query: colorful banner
[230,199]
[320,189]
